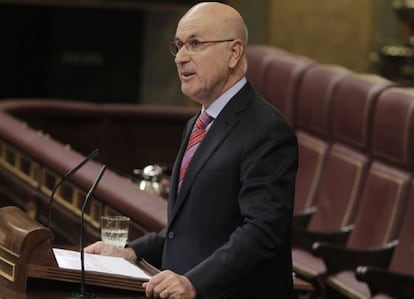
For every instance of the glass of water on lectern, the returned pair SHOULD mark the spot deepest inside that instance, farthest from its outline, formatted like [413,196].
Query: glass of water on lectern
[114,230]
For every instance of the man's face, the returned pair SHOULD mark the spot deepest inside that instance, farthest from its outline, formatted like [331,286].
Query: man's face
[204,70]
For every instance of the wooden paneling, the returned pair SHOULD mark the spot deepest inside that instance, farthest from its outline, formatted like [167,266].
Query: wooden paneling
[337,32]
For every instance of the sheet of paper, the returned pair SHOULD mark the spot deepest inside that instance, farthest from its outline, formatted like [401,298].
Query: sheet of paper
[69,259]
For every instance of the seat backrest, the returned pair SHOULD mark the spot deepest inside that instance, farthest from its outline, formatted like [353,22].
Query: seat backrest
[312,152]
[378,218]
[403,258]
[353,109]
[398,103]
[281,80]
[314,98]
[257,59]
[312,128]
[345,168]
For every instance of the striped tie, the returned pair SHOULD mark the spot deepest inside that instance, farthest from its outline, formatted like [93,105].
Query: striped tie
[197,135]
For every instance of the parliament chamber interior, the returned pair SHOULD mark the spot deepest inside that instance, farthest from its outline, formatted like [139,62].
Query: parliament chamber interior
[84,75]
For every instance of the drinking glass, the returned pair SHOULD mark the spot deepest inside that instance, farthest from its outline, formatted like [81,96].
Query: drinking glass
[114,230]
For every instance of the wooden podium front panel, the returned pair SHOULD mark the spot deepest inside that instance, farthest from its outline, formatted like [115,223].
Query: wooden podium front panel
[43,289]
[47,290]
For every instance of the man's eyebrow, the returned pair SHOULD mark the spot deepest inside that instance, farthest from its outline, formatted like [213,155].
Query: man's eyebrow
[194,35]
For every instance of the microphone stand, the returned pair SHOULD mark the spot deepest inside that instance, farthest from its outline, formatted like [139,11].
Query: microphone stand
[82,293]
[63,179]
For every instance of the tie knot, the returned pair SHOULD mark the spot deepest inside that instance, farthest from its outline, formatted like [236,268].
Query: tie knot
[203,120]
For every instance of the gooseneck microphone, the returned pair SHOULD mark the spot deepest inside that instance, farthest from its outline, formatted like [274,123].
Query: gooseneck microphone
[82,293]
[63,179]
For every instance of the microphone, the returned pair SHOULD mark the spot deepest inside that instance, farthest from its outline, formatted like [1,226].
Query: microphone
[63,179]
[83,293]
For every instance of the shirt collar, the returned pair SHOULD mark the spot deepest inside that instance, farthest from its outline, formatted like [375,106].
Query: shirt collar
[215,108]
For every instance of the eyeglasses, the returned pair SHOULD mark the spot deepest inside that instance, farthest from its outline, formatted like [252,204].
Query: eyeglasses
[193,45]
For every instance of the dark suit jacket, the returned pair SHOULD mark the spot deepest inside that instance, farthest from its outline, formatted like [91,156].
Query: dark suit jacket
[229,227]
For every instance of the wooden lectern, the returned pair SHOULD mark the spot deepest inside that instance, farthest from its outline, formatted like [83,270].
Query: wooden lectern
[26,252]
[23,242]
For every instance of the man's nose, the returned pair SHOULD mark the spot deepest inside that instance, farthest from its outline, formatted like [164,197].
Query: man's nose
[182,55]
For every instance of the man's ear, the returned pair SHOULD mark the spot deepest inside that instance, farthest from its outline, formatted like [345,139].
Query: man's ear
[237,49]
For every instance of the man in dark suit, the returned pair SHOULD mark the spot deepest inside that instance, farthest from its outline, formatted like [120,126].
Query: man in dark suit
[231,203]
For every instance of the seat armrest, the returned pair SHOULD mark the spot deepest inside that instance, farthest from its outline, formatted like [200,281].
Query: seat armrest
[305,239]
[301,219]
[381,281]
[340,258]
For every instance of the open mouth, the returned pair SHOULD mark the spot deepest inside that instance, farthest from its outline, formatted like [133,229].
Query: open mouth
[186,75]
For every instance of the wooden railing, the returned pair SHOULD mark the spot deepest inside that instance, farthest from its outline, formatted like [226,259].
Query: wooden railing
[32,161]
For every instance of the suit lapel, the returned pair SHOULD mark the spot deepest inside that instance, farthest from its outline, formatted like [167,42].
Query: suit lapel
[176,169]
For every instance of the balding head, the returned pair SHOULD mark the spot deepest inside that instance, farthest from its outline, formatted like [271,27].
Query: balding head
[221,18]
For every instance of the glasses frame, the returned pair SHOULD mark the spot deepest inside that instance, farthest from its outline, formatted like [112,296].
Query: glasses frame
[174,49]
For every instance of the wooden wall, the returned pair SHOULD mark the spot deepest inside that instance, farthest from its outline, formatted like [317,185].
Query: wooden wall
[344,32]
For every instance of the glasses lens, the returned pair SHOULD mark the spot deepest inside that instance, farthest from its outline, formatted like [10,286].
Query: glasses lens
[174,48]
[194,44]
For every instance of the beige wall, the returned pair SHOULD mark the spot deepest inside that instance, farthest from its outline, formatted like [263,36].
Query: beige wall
[339,31]
[344,32]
